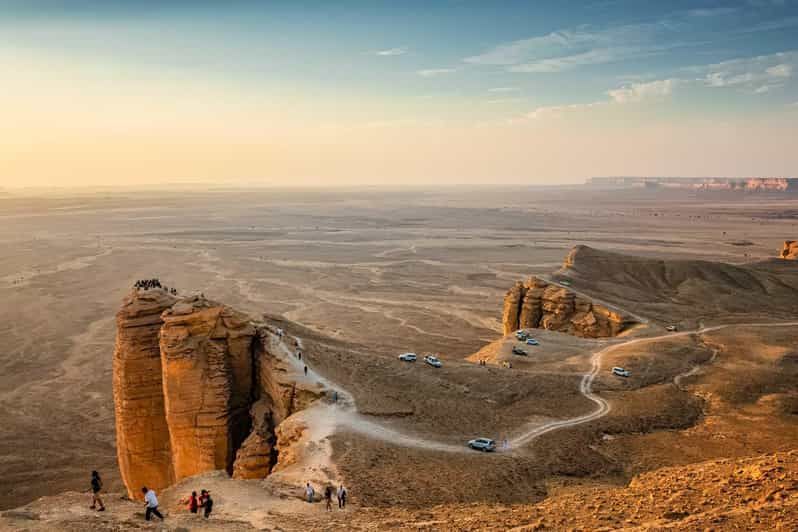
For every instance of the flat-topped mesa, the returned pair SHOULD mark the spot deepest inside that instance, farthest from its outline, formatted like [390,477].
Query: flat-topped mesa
[142,435]
[789,250]
[537,304]
[197,388]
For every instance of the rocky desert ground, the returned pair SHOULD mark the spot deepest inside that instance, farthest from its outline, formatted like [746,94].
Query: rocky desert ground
[702,434]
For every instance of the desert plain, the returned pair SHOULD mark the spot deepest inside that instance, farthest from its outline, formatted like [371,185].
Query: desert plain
[363,275]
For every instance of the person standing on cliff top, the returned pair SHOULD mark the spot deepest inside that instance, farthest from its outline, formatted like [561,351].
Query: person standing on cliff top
[96,486]
[151,504]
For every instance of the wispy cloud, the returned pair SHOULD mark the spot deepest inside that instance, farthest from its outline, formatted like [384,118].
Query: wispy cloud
[760,74]
[402,50]
[432,72]
[503,89]
[712,12]
[637,92]
[557,110]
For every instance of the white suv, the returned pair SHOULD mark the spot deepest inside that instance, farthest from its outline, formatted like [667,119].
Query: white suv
[407,357]
[432,361]
[620,372]
[482,444]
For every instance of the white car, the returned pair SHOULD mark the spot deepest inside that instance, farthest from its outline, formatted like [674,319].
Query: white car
[408,357]
[620,372]
[532,341]
[671,328]
[482,444]
[432,361]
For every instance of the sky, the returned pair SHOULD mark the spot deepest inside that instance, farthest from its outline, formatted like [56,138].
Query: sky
[320,93]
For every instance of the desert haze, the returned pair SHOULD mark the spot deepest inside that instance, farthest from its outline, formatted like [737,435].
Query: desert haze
[658,389]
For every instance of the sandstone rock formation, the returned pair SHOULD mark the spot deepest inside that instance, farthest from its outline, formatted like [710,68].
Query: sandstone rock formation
[536,303]
[142,435]
[196,389]
[790,250]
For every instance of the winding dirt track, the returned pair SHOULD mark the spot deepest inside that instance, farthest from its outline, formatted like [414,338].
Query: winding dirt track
[345,411]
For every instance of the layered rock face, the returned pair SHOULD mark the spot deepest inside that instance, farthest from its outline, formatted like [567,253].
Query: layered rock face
[535,303]
[789,250]
[196,389]
[142,435]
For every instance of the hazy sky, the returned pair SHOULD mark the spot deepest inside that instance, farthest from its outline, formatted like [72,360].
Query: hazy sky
[111,92]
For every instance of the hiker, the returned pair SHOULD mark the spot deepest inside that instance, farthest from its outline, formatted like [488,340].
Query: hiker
[328,497]
[207,503]
[309,492]
[306,370]
[191,502]
[335,396]
[341,497]
[96,486]
[152,504]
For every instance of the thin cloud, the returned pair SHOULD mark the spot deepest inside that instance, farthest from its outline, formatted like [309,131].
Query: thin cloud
[504,89]
[759,74]
[402,50]
[432,72]
[637,92]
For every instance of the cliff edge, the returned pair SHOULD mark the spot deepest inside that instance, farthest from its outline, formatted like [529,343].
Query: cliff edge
[197,387]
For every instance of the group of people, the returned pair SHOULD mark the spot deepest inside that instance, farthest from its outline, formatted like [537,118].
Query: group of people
[204,501]
[146,284]
[310,494]
[193,503]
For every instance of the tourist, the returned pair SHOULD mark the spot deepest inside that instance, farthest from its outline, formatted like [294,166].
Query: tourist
[151,504]
[191,502]
[341,497]
[96,486]
[309,492]
[207,503]
[306,370]
[328,497]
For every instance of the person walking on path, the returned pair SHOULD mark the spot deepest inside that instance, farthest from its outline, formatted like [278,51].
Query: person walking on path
[309,492]
[151,504]
[328,491]
[96,486]
[341,497]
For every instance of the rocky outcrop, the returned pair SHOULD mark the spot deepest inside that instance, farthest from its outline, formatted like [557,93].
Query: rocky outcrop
[142,435]
[536,303]
[789,250]
[197,388]
[207,360]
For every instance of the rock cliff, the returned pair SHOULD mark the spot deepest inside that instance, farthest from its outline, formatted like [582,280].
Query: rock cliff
[789,250]
[535,303]
[197,387]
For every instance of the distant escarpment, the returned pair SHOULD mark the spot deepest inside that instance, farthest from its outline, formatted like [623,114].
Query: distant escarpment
[535,303]
[789,250]
[197,387]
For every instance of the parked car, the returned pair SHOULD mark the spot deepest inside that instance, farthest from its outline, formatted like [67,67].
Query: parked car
[532,341]
[408,357]
[671,328]
[620,372]
[521,335]
[482,444]
[433,361]
[565,282]
[518,351]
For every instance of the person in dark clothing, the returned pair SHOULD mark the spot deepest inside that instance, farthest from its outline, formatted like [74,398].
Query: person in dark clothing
[207,503]
[328,491]
[96,486]
[306,370]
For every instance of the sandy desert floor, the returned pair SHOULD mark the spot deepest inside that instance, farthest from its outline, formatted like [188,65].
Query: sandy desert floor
[372,273]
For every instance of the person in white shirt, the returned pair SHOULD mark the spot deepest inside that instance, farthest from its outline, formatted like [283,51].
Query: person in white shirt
[152,504]
[341,497]
[310,492]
